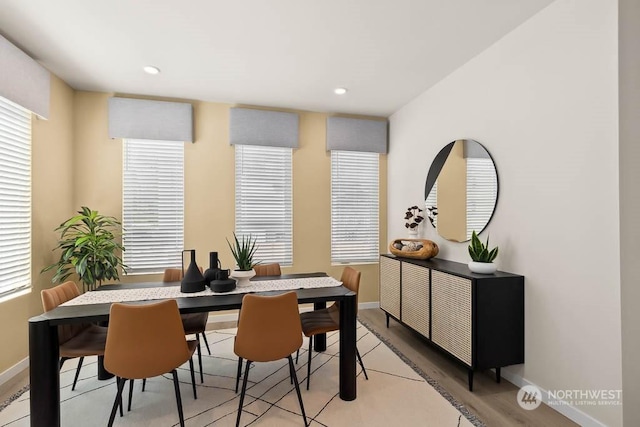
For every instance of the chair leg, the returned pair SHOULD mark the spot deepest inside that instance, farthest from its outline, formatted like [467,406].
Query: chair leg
[193,378]
[75,379]
[62,360]
[206,343]
[118,401]
[176,386]
[309,361]
[200,358]
[244,389]
[294,377]
[130,394]
[297,354]
[144,383]
[120,404]
[361,364]
[239,373]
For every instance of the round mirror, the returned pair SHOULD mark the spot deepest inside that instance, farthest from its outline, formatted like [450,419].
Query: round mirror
[462,190]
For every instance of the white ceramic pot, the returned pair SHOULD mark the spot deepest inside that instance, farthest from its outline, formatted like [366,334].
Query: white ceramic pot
[413,233]
[482,267]
[242,276]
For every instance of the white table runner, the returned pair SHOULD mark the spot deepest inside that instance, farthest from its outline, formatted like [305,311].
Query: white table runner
[169,292]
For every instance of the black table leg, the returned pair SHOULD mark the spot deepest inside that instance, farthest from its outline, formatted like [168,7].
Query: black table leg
[348,347]
[320,340]
[103,374]
[44,376]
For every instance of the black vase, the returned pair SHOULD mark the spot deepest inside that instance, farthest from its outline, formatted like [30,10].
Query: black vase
[193,281]
[214,266]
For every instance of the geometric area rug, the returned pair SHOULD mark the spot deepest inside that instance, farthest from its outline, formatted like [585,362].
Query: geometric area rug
[396,393]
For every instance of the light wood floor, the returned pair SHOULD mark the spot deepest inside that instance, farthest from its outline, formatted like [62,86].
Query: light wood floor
[494,403]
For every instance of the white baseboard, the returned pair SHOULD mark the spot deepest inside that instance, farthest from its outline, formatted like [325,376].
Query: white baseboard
[10,373]
[569,411]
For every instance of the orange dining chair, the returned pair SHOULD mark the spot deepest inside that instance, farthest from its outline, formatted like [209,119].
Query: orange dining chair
[328,319]
[268,329]
[147,340]
[193,323]
[272,269]
[74,340]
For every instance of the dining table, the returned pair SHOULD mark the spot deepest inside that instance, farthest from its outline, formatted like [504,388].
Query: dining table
[43,329]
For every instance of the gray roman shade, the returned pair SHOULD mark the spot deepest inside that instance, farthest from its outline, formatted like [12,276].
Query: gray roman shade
[24,81]
[147,119]
[260,127]
[356,135]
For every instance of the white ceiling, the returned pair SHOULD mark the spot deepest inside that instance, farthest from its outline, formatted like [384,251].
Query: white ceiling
[277,53]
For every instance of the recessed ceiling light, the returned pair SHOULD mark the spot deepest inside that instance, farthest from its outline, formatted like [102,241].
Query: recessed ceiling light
[150,69]
[340,90]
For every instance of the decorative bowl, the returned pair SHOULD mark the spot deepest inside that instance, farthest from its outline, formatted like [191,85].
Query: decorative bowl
[428,250]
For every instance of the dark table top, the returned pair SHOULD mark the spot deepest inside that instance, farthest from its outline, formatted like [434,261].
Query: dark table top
[218,302]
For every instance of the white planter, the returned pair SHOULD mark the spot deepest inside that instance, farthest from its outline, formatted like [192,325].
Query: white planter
[482,267]
[242,276]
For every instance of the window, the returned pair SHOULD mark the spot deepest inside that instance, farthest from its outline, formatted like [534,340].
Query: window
[354,207]
[153,205]
[482,192]
[15,198]
[264,201]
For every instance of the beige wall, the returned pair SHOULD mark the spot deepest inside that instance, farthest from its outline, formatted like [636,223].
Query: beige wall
[76,164]
[51,175]
[209,186]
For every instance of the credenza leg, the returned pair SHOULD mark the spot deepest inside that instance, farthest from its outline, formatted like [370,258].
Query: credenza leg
[387,320]
[470,379]
[498,375]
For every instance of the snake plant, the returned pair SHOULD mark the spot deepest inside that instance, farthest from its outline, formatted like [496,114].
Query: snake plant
[480,252]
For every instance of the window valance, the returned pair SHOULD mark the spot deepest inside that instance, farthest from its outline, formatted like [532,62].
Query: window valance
[24,81]
[356,135]
[261,127]
[148,119]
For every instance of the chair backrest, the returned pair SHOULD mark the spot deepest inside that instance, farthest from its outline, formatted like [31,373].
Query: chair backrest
[269,327]
[351,280]
[172,275]
[52,298]
[268,269]
[145,340]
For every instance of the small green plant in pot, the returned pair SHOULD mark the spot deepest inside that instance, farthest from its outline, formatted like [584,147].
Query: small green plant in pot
[481,256]
[89,249]
[243,250]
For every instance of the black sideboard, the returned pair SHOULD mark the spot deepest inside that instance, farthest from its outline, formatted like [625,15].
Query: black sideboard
[478,319]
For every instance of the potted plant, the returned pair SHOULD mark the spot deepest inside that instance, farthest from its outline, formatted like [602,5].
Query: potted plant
[243,251]
[481,256]
[413,217]
[89,249]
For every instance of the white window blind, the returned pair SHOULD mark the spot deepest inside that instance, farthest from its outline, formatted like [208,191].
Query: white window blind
[354,207]
[431,205]
[482,191]
[264,201]
[15,198]
[153,205]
